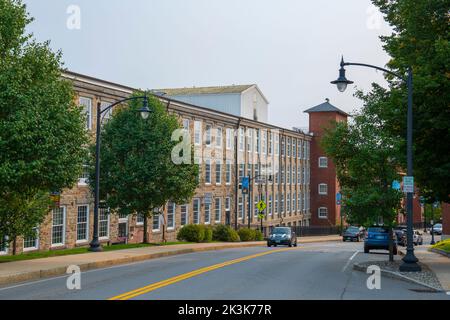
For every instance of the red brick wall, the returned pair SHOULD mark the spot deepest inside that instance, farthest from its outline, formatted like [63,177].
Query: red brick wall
[445,220]
[317,122]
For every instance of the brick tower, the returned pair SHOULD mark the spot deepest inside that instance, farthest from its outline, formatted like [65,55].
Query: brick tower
[324,184]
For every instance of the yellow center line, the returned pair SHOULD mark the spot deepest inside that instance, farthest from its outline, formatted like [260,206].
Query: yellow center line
[184,276]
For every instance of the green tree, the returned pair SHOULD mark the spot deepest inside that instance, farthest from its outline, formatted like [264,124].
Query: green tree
[41,129]
[137,172]
[420,39]
[366,160]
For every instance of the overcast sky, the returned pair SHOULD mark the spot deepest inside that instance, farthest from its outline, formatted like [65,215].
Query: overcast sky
[290,48]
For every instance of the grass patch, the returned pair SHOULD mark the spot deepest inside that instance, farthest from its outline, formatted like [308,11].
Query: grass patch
[64,252]
[443,245]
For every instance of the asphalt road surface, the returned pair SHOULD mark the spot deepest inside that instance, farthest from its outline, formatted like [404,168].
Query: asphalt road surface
[310,271]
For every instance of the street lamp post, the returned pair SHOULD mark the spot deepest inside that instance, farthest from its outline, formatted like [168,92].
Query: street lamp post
[94,245]
[410,260]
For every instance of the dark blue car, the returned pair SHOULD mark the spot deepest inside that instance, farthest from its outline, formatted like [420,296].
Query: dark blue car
[378,238]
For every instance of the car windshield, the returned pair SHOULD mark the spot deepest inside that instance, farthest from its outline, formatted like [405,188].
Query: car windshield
[352,229]
[438,225]
[281,231]
[378,230]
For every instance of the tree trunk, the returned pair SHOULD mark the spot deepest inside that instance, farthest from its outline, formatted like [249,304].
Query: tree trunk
[14,249]
[391,245]
[145,238]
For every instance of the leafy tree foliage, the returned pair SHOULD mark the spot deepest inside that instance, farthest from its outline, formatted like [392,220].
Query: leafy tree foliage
[421,40]
[41,130]
[137,172]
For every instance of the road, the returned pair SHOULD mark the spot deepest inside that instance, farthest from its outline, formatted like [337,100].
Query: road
[310,271]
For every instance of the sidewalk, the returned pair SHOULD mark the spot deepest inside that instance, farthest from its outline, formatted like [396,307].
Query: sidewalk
[26,270]
[439,264]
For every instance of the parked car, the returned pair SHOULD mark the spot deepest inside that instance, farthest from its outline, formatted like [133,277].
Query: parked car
[353,234]
[378,238]
[400,234]
[417,237]
[282,236]
[437,228]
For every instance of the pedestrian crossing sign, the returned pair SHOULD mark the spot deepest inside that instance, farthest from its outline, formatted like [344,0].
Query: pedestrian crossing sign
[261,205]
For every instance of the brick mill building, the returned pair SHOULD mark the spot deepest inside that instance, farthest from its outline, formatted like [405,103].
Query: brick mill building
[236,143]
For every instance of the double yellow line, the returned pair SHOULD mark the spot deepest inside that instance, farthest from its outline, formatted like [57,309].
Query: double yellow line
[184,276]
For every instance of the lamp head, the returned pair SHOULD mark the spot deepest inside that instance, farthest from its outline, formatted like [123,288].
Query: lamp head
[145,111]
[341,82]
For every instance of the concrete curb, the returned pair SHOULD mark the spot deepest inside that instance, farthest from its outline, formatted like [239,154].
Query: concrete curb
[398,276]
[58,271]
[439,251]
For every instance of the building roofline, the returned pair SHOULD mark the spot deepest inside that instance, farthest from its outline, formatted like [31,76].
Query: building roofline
[96,81]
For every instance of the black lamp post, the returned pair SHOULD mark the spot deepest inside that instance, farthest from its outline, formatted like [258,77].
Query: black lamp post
[94,245]
[410,260]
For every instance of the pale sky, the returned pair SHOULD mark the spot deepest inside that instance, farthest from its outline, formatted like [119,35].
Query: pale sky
[290,48]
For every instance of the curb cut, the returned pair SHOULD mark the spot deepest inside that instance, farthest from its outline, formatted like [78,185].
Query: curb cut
[398,276]
[59,271]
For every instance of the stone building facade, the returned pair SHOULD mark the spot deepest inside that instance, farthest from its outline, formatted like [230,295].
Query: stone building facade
[227,147]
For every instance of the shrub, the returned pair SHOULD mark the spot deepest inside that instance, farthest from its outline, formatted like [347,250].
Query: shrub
[225,233]
[208,233]
[192,233]
[246,234]
[259,235]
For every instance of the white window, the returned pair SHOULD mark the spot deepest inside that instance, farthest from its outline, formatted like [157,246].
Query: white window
[218,171]
[241,139]
[255,211]
[208,171]
[108,114]
[282,145]
[198,132]
[277,144]
[240,208]
[217,209]
[82,223]
[294,147]
[294,203]
[184,214]
[196,210]
[58,226]
[86,103]
[294,174]
[299,149]
[270,205]
[264,142]
[4,245]
[219,137]
[241,171]
[250,140]
[227,204]
[288,146]
[258,140]
[229,133]
[186,124]
[323,162]
[288,174]
[207,213]
[140,219]
[156,226]
[270,143]
[31,242]
[323,213]
[84,178]
[323,188]
[299,201]
[103,223]
[208,135]
[281,202]
[275,196]
[288,203]
[228,172]
[170,216]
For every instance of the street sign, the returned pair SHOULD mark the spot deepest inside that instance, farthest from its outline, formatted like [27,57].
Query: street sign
[261,215]
[396,185]
[338,198]
[261,205]
[245,184]
[408,184]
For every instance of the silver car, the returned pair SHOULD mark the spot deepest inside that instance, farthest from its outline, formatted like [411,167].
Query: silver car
[437,228]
